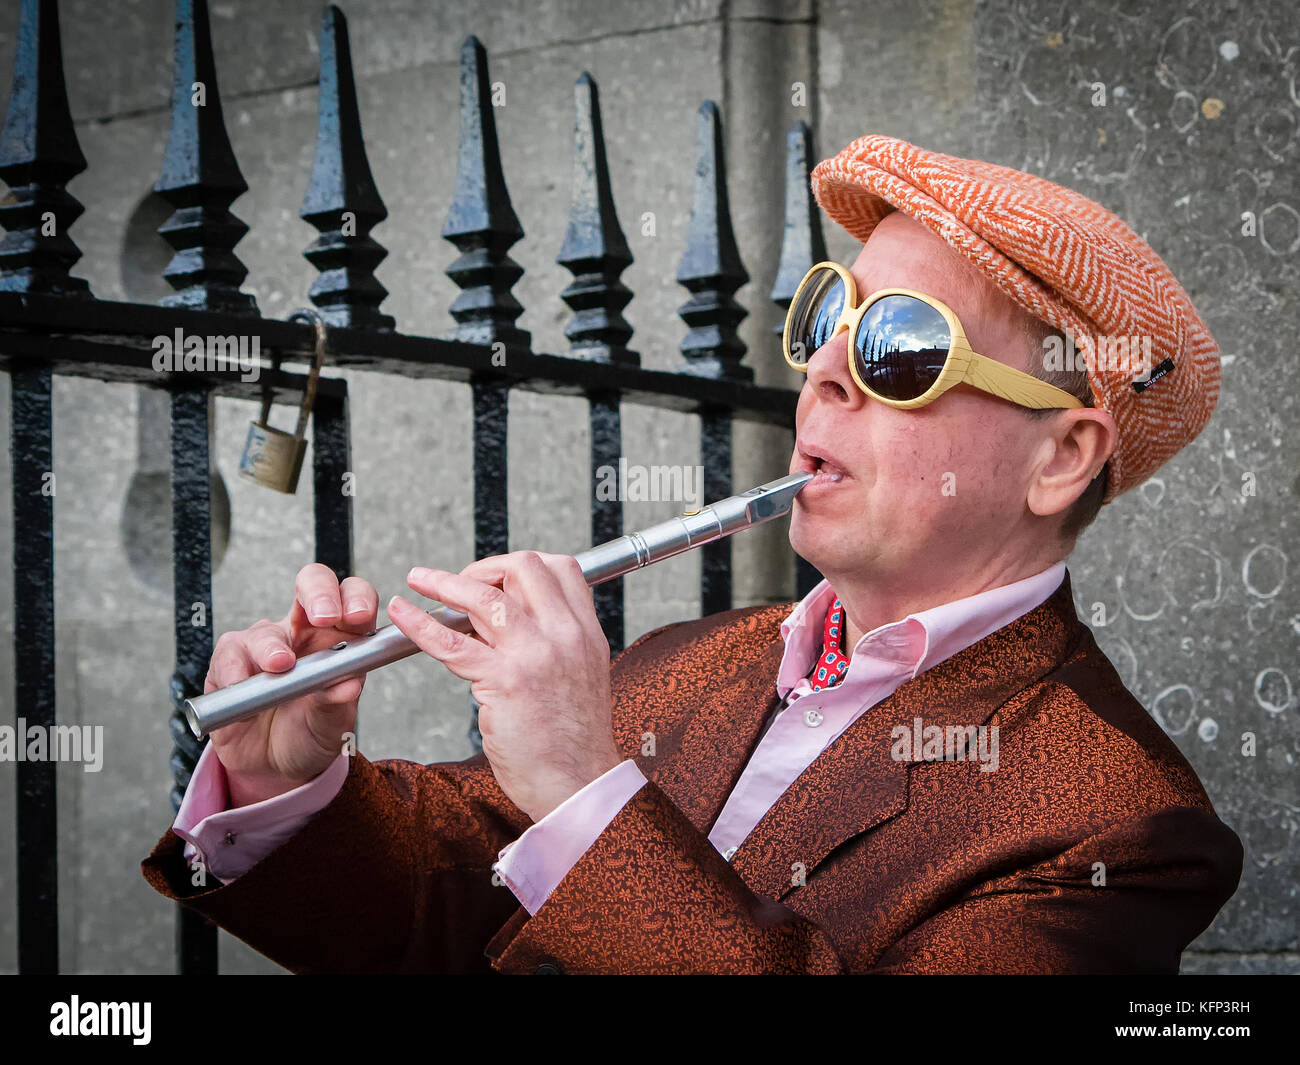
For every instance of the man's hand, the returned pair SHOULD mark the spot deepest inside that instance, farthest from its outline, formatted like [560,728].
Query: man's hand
[538,664]
[289,745]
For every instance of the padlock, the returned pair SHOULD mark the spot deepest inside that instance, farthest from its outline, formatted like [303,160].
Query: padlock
[272,457]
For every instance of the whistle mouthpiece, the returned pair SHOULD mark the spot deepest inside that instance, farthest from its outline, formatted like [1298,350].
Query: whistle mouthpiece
[775,498]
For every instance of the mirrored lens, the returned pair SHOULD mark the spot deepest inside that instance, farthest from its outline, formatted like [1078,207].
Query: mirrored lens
[813,315]
[901,346]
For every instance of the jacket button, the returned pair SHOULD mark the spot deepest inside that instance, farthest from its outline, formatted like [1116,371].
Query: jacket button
[548,968]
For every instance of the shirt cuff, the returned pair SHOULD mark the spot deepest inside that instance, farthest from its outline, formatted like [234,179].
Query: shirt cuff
[227,843]
[534,864]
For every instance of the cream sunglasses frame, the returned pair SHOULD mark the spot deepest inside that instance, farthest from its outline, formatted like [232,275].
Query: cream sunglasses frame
[963,365]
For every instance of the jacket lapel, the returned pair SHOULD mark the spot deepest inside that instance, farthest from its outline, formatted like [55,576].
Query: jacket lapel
[855,784]
[730,704]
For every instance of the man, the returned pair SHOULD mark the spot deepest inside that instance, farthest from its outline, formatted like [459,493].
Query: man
[925,766]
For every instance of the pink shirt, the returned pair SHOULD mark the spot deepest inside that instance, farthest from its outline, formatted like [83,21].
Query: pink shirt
[231,842]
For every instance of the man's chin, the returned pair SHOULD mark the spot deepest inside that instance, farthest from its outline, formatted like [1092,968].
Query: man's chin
[810,547]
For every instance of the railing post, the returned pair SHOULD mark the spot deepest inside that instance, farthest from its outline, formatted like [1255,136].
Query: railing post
[711,271]
[802,245]
[332,483]
[196,938]
[482,224]
[39,153]
[491,508]
[596,253]
[31,450]
[200,178]
[342,200]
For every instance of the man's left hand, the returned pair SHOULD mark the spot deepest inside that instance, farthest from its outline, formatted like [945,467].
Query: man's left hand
[538,664]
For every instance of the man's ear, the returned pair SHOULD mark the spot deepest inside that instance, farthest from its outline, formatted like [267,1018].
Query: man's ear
[1076,445]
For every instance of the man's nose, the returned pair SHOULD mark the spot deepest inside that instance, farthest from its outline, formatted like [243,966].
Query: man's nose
[828,373]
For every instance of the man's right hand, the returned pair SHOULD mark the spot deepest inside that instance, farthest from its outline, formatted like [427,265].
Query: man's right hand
[284,747]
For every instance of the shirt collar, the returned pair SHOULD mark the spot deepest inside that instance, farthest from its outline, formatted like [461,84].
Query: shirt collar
[919,641]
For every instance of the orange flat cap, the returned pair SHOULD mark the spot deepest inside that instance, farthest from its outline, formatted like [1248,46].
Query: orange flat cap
[1066,260]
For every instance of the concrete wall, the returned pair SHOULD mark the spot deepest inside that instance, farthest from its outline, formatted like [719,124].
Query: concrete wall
[1191,574]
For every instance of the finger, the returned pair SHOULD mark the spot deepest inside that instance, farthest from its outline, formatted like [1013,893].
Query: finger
[360,604]
[316,595]
[552,587]
[527,581]
[339,694]
[468,658]
[268,648]
[489,608]
[581,604]
[568,574]
[230,663]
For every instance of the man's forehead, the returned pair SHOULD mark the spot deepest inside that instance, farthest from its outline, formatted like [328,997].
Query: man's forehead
[904,253]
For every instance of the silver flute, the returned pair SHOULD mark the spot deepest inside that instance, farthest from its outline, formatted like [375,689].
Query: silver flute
[389,644]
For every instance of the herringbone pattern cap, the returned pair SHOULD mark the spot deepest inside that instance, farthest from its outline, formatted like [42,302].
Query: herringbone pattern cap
[1068,261]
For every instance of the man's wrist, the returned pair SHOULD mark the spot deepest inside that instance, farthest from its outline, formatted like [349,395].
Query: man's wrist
[596,769]
[245,789]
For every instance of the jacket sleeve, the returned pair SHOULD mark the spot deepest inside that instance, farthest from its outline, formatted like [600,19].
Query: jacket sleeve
[394,875]
[1126,900]
[652,895]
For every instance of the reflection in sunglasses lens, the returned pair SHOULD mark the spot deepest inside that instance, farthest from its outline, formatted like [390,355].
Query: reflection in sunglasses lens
[902,344]
[814,314]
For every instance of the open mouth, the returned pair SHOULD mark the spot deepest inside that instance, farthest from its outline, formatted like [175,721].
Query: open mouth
[824,469]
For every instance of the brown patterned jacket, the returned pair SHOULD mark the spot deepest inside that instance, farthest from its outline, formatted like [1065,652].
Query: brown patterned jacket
[1092,848]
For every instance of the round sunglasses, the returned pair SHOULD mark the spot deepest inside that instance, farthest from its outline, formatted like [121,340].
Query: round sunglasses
[905,349]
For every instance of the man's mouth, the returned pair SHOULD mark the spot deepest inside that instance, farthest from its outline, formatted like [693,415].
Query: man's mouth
[819,462]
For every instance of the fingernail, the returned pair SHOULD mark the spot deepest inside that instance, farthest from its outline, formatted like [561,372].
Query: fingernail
[281,658]
[322,608]
[355,605]
[419,573]
[397,602]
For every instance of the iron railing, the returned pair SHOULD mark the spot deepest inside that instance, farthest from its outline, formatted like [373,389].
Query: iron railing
[51,324]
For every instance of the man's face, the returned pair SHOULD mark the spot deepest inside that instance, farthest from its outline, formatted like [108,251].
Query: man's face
[932,495]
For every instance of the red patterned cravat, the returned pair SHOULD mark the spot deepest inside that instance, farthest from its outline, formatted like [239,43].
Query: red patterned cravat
[832,665]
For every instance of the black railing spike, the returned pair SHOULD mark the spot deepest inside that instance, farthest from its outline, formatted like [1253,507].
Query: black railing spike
[200,178]
[481,223]
[711,269]
[595,250]
[342,201]
[802,243]
[39,154]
